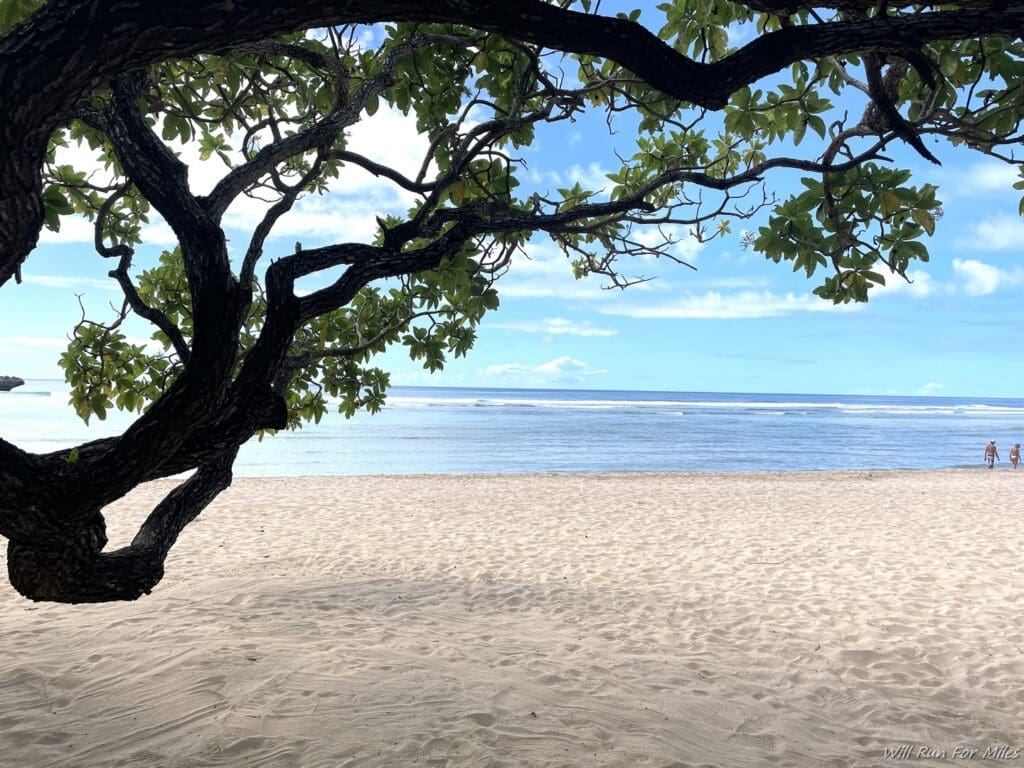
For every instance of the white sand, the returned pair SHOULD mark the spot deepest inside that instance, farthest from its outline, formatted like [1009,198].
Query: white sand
[606,620]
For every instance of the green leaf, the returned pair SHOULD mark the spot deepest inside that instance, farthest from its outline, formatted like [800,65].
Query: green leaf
[925,219]
[457,192]
[890,202]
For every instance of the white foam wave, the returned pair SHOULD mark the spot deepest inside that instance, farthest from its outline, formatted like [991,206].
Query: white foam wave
[755,407]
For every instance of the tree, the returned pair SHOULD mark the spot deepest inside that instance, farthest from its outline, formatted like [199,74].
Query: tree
[273,87]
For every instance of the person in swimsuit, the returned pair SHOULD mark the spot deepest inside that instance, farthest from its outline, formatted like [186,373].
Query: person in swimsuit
[991,454]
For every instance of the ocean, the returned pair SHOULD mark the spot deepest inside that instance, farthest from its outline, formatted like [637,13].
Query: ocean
[464,430]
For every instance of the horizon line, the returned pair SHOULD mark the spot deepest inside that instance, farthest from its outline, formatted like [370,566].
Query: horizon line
[662,391]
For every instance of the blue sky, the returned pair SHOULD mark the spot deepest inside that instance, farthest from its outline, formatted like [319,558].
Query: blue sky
[739,323]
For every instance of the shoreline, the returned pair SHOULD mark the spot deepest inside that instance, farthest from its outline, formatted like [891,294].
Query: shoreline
[622,620]
[461,430]
[634,473]
[967,468]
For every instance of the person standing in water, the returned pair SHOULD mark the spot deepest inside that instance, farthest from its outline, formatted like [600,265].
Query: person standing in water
[991,454]
[1015,455]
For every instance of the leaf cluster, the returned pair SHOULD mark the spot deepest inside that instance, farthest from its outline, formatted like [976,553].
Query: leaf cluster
[478,99]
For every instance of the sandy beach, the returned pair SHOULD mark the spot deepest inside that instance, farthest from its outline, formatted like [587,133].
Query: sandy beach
[633,620]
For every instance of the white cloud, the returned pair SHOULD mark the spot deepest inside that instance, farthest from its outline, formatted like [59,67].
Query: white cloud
[921,284]
[558,326]
[931,388]
[158,232]
[505,369]
[566,367]
[981,279]
[347,212]
[545,272]
[539,290]
[73,229]
[719,306]
[593,177]
[735,282]
[78,229]
[84,159]
[683,244]
[989,176]
[71,282]
[391,139]
[317,220]
[561,370]
[998,233]
[538,178]
[10,345]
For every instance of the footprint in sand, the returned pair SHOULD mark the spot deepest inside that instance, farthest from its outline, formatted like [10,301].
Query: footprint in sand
[752,729]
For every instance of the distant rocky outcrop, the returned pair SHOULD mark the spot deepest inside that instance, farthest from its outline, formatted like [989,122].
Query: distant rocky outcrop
[7,383]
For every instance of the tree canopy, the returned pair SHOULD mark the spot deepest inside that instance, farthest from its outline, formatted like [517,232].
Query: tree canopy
[825,90]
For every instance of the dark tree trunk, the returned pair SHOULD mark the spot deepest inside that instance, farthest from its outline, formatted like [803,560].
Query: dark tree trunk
[71,568]
[50,506]
[67,564]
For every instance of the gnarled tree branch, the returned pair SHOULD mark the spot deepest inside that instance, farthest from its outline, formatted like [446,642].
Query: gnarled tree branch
[100,39]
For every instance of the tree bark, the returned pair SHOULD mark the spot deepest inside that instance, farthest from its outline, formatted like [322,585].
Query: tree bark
[66,49]
[69,566]
[51,506]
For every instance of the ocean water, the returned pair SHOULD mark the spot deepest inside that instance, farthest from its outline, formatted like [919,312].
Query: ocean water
[455,430]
